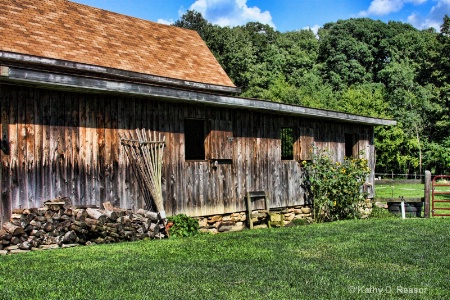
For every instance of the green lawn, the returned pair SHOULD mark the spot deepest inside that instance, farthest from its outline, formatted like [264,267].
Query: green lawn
[361,259]
[398,190]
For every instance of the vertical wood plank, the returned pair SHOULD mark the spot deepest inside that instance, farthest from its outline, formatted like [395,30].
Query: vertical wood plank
[72,119]
[135,187]
[100,154]
[5,102]
[62,153]
[59,150]
[13,142]
[68,151]
[110,112]
[237,159]
[22,200]
[122,130]
[115,150]
[2,95]
[127,125]
[178,163]
[55,187]
[91,149]
[258,155]
[38,104]
[172,148]
[31,168]
[304,144]
[82,161]
[41,148]
[162,120]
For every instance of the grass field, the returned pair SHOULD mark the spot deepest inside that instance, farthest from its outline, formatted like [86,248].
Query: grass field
[398,190]
[361,259]
[411,191]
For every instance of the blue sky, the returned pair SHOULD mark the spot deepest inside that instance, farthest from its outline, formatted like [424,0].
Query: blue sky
[284,15]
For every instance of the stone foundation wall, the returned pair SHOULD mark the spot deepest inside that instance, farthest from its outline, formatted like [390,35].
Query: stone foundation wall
[238,221]
[365,208]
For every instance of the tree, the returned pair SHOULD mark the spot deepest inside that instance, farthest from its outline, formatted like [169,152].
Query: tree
[365,99]
[300,50]
[234,50]
[351,51]
[437,156]
[194,20]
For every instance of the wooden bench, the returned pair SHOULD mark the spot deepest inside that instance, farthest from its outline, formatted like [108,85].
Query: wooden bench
[273,217]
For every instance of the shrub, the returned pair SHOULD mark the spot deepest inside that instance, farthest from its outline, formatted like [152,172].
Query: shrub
[380,213]
[300,222]
[183,226]
[335,187]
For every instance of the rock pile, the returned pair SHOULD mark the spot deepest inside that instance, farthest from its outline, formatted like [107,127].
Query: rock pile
[238,221]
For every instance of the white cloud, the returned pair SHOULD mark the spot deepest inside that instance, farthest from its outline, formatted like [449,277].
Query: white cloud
[382,7]
[385,7]
[434,18]
[314,29]
[413,19]
[200,6]
[231,12]
[166,22]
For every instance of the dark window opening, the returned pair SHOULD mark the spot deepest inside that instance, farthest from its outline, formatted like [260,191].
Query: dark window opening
[351,141]
[194,139]
[287,143]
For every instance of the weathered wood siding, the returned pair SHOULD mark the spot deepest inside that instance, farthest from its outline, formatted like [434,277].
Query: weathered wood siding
[57,143]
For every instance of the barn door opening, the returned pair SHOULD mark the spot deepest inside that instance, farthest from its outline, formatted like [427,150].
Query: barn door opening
[145,152]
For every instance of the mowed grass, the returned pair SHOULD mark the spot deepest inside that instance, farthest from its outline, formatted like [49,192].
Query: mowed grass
[357,259]
[399,190]
[413,191]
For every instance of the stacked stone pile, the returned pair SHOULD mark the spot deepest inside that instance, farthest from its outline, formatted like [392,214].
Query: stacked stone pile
[238,221]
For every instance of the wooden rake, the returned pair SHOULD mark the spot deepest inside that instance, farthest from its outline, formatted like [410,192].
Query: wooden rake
[145,152]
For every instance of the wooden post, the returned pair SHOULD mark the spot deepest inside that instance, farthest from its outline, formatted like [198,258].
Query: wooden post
[249,211]
[427,190]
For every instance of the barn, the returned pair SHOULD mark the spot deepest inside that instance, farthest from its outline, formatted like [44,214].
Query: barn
[74,79]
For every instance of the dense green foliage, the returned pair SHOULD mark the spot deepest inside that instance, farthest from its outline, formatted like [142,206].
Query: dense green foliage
[183,226]
[319,261]
[360,66]
[335,186]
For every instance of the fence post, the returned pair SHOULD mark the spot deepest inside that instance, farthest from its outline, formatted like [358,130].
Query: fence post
[427,193]
[402,206]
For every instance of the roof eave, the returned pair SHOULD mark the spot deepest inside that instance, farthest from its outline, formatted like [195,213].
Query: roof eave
[74,82]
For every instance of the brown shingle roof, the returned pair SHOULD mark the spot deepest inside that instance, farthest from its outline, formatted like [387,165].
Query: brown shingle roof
[64,30]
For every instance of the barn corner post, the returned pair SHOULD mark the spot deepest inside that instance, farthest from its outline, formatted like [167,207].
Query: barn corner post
[427,190]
